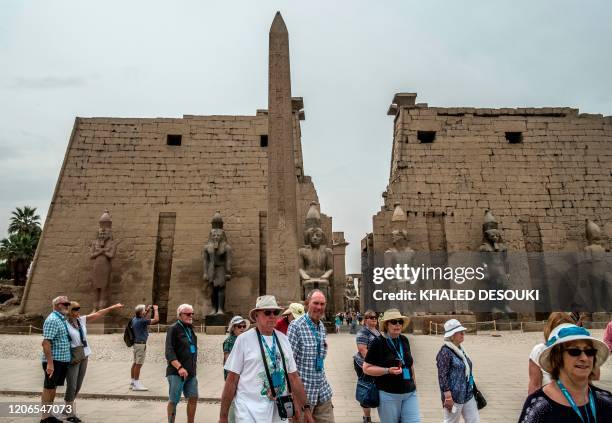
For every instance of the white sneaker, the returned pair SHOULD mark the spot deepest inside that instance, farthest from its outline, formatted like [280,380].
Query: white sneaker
[139,386]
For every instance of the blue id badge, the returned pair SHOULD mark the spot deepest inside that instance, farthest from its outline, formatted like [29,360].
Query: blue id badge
[319,364]
[277,379]
[192,349]
[406,373]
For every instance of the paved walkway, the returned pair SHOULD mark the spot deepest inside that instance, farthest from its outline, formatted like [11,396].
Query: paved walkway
[500,371]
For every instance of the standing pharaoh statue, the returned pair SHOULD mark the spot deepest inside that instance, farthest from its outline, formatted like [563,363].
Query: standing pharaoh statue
[596,278]
[315,258]
[494,254]
[217,258]
[102,251]
[351,299]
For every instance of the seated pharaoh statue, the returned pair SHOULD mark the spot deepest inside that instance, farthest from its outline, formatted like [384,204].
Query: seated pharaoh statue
[315,258]
[400,252]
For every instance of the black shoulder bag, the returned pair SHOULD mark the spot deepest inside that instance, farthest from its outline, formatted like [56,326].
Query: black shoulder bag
[284,404]
[481,402]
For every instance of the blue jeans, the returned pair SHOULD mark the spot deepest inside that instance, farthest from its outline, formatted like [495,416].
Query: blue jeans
[399,408]
[177,385]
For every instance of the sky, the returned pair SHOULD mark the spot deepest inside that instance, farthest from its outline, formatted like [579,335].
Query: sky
[145,58]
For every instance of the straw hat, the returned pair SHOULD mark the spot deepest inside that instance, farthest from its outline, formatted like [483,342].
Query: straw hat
[393,314]
[567,332]
[296,309]
[265,302]
[451,327]
[235,321]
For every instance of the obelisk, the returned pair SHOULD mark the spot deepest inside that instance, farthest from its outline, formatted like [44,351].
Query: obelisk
[282,277]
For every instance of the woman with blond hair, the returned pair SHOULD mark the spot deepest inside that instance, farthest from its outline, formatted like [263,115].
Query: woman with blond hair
[571,357]
[80,351]
[537,376]
[389,360]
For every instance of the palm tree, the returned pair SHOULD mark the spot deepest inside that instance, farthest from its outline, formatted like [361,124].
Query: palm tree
[18,251]
[25,221]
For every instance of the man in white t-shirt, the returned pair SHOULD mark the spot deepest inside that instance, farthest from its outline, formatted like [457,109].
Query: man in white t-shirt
[248,383]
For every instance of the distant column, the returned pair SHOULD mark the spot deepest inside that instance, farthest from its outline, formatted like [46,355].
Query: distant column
[282,279]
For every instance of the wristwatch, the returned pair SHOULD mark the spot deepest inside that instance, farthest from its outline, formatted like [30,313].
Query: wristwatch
[305,407]
[386,370]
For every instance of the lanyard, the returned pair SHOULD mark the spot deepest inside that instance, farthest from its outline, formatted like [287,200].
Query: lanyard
[81,333]
[316,334]
[400,353]
[271,352]
[571,401]
[186,333]
[59,315]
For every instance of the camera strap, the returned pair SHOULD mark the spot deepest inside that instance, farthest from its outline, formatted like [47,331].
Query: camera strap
[265,362]
[284,365]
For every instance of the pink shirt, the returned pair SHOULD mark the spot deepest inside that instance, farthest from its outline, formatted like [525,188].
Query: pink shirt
[608,336]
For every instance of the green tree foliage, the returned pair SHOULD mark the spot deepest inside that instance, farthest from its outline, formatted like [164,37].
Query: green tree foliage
[25,221]
[17,251]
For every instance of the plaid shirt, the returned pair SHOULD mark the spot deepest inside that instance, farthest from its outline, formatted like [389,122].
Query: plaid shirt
[304,346]
[55,330]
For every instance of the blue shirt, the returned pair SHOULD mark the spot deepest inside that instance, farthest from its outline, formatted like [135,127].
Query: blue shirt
[55,330]
[451,376]
[140,325]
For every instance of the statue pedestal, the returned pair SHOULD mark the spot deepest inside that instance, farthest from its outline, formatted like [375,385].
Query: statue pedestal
[310,284]
[216,324]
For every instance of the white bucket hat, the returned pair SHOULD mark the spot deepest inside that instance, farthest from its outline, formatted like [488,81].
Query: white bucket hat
[235,321]
[567,332]
[452,326]
[265,302]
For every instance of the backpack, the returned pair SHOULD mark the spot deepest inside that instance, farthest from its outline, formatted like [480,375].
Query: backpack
[128,334]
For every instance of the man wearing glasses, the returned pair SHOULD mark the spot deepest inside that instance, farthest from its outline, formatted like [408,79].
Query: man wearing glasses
[182,357]
[56,354]
[261,371]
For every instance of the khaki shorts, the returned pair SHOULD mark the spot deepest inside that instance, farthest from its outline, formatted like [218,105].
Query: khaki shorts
[322,413]
[140,352]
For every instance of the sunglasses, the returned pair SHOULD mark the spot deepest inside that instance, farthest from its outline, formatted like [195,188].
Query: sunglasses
[271,312]
[395,322]
[76,308]
[371,317]
[65,304]
[242,326]
[188,314]
[575,352]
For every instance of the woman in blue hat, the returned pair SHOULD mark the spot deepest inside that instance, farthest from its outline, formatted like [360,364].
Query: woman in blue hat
[572,357]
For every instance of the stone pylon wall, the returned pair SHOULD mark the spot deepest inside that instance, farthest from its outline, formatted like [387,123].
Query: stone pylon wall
[125,165]
[556,177]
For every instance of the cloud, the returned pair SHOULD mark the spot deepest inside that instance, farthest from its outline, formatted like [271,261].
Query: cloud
[47,82]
